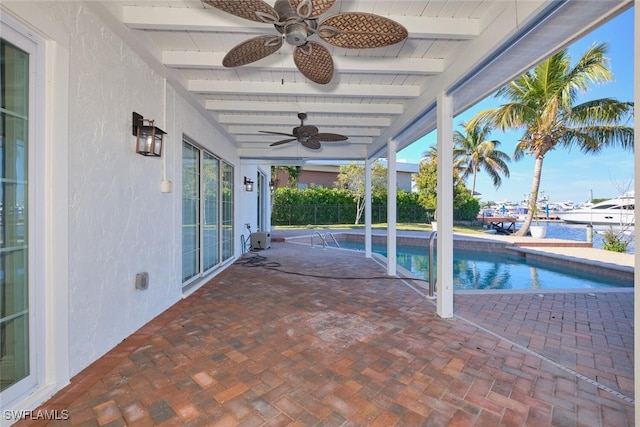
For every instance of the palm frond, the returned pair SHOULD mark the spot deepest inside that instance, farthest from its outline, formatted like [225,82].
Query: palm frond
[600,111]
[593,139]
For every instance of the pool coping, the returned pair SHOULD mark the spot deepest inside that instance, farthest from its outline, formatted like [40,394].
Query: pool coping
[615,271]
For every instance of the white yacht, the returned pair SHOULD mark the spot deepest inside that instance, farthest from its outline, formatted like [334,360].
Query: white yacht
[618,211]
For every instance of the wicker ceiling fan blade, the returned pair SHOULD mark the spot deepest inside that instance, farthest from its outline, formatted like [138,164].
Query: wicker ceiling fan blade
[361,31]
[331,137]
[253,10]
[314,62]
[284,141]
[306,131]
[311,9]
[312,143]
[276,133]
[252,50]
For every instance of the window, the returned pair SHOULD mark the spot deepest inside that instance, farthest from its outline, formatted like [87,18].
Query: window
[15,328]
[190,211]
[211,204]
[260,208]
[207,212]
[227,211]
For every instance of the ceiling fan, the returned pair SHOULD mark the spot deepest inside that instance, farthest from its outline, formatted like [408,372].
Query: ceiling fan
[296,21]
[306,135]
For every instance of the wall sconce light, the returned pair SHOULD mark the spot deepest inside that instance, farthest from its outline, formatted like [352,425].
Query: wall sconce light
[148,137]
[272,185]
[248,184]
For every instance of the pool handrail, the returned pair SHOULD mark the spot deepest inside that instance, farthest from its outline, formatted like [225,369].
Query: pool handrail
[432,283]
[324,239]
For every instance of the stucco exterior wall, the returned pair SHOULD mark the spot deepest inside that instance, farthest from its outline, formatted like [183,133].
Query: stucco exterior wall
[329,175]
[119,222]
[117,213]
[318,178]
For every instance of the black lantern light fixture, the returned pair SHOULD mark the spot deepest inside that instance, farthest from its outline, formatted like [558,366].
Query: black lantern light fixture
[248,184]
[272,185]
[148,137]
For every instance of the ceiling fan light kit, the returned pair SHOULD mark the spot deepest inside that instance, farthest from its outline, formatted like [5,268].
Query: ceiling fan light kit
[296,21]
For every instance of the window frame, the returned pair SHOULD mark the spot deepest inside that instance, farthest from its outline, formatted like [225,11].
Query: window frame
[225,215]
[16,34]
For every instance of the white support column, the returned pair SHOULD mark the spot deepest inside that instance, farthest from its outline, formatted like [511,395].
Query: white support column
[367,208]
[391,207]
[636,121]
[444,210]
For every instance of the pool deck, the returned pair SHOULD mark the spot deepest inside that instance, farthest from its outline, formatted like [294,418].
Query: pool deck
[570,250]
[301,336]
[564,248]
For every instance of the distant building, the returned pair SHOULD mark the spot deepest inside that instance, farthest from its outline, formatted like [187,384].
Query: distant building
[325,174]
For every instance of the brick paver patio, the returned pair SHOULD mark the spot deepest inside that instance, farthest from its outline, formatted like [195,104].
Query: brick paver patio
[301,336]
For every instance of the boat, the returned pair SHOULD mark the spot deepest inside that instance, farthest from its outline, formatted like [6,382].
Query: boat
[618,211]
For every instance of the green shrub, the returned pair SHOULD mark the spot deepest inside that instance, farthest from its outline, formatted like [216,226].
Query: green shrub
[614,242]
[330,206]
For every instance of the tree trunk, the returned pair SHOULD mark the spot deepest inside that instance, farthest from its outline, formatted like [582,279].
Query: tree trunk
[359,209]
[533,197]
[473,183]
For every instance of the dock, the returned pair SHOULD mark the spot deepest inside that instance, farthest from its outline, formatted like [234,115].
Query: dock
[502,224]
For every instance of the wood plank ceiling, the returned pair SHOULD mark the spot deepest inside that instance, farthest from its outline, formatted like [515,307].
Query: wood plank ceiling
[466,48]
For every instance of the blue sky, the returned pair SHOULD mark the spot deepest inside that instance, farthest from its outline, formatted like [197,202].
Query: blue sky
[566,175]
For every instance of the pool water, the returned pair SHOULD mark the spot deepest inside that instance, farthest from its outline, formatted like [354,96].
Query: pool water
[486,270]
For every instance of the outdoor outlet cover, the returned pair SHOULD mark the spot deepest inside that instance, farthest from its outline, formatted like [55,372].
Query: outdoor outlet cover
[165,186]
[142,281]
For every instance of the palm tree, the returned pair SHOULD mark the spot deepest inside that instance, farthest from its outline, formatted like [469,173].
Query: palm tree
[431,153]
[473,152]
[542,102]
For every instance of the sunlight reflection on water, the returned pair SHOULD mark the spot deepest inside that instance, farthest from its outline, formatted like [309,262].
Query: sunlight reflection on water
[489,270]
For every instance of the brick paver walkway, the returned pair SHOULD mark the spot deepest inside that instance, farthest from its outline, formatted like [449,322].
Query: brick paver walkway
[311,337]
[590,333]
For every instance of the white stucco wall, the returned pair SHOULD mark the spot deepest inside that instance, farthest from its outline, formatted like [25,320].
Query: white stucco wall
[248,200]
[119,222]
[118,217]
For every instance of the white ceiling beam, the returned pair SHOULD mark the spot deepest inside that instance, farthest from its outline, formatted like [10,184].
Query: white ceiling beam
[349,131]
[307,107]
[439,27]
[296,152]
[187,19]
[247,140]
[344,64]
[209,19]
[261,120]
[302,89]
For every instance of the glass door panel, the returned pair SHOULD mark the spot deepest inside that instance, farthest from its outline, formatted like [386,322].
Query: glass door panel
[190,211]
[211,208]
[207,212]
[227,211]
[14,280]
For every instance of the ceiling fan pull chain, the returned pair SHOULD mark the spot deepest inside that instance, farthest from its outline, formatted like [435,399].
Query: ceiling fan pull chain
[282,63]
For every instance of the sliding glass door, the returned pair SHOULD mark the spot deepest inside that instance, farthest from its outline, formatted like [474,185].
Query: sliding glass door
[207,211]
[15,335]
[227,211]
[211,211]
[190,211]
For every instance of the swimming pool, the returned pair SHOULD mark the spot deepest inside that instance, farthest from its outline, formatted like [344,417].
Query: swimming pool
[474,270]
